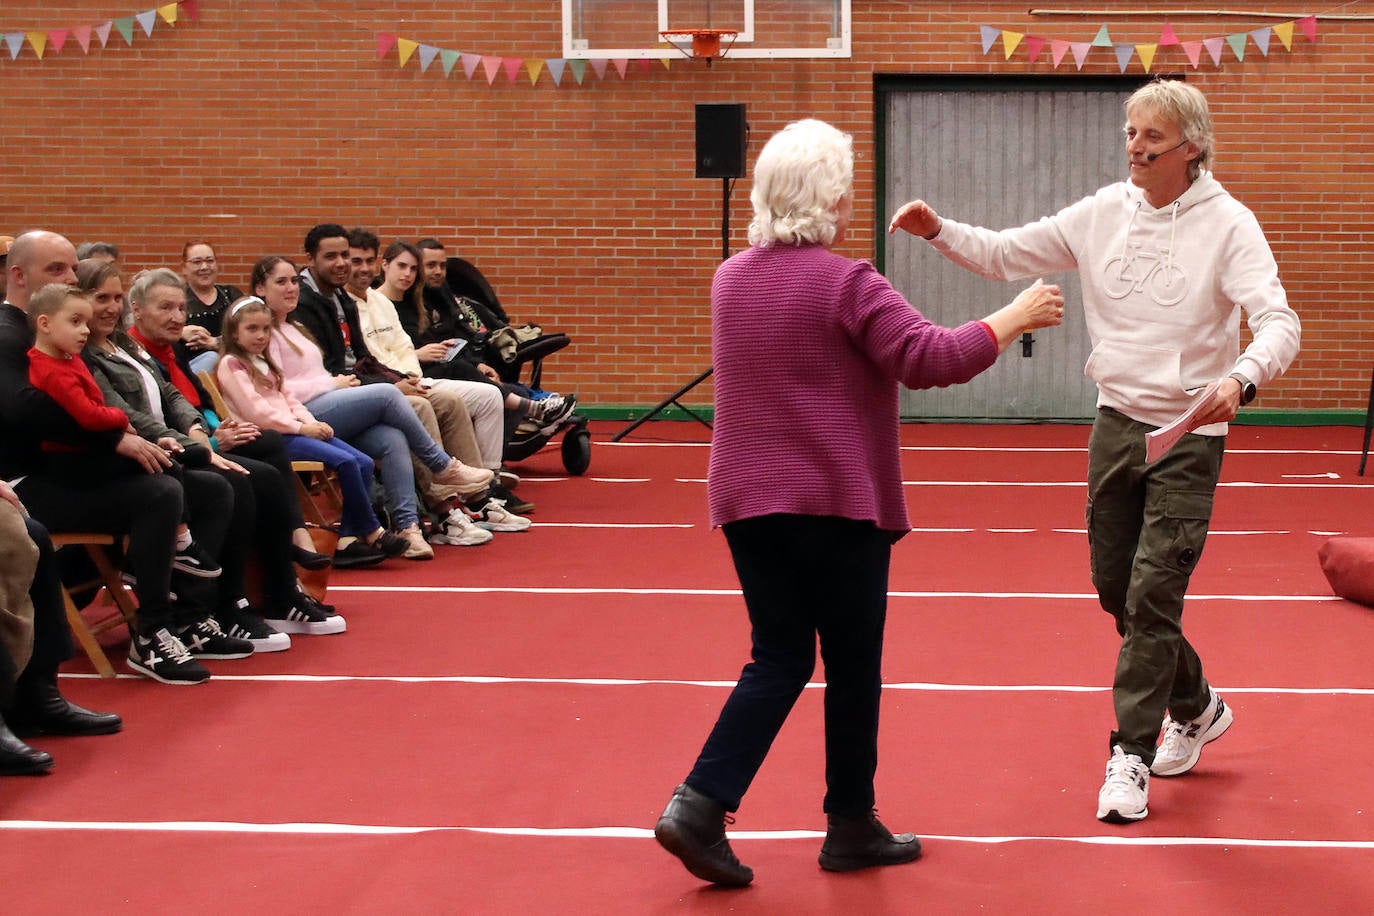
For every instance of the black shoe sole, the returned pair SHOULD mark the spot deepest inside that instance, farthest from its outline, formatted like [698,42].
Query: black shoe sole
[672,838]
[38,730]
[855,863]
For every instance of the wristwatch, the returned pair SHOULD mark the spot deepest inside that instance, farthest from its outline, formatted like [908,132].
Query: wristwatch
[1247,388]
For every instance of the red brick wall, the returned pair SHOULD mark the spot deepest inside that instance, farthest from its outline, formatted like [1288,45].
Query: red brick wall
[579,202]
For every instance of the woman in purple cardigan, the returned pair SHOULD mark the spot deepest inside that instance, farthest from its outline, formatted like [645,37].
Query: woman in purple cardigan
[806,484]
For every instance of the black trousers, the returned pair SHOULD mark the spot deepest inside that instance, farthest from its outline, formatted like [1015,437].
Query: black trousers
[261,518]
[803,577]
[146,507]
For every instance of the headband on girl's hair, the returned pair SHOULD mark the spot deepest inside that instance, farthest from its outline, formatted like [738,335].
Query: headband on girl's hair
[246,300]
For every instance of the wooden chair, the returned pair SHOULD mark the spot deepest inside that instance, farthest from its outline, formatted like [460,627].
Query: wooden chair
[313,479]
[108,578]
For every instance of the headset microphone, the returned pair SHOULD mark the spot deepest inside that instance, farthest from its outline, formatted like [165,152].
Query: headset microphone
[1153,156]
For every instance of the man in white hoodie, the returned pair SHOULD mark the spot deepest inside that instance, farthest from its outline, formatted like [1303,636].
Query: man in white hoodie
[1167,260]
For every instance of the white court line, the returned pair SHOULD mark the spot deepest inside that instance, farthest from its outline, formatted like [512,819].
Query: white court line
[612,525]
[726,592]
[1081,484]
[1040,449]
[915,686]
[644,833]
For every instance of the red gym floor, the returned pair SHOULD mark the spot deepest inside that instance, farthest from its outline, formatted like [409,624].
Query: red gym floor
[499,728]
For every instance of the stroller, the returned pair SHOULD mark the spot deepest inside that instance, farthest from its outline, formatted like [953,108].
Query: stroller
[468,282]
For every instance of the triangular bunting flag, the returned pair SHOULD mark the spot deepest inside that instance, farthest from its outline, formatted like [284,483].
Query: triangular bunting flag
[1308,24]
[1123,56]
[1167,36]
[38,41]
[1213,46]
[57,38]
[406,47]
[1080,52]
[556,65]
[1237,43]
[102,32]
[470,62]
[1147,55]
[385,42]
[168,13]
[1103,40]
[1194,51]
[1009,42]
[599,67]
[448,59]
[1261,37]
[147,20]
[1058,49]
[988,35]
[189,10]
[619,63]
[1033,47]
[15,40]
[643,64]
[1285,32]
[125,27]
[667,62]
[534,67]
[491,66]
[82,34]
[427,55]
[512,67]
[578,66]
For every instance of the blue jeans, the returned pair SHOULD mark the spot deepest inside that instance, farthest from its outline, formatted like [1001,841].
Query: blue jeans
[380,421]
[354,470]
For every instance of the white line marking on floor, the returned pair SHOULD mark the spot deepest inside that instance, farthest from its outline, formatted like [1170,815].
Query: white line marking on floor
[611,525]
[1242,484]
[644,833]
[717,592]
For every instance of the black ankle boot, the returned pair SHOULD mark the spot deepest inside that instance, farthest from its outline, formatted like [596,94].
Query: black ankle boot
[852,843]
[17,758]
[693,829]
[41,709]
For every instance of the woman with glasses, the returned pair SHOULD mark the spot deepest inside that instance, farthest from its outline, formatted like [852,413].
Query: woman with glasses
[206,302]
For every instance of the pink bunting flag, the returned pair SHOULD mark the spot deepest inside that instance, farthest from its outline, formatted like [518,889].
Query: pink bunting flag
[82,34]
[385,42]
[1080,52]
[1213,46]
[491,66]
[1308,24]
[470,62]
[599,67]
[102,32]
[57,38]
[643,65]
[1058,49]
[619,64]
[189,10]
[1167,36]
[1033,47]
[1194,51]
[512,67]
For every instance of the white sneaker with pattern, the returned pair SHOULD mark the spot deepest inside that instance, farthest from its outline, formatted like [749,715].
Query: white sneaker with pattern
[1125,794]
[494,516]
[1182,745]
[459,530]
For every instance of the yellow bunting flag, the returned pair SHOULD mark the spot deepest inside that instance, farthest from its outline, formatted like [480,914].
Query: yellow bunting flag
[1147,55]
[406,47]
[1009,42]
[39,41]
[168,13]
[1284,31]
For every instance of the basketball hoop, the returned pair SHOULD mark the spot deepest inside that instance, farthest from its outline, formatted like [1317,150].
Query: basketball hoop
[705,43]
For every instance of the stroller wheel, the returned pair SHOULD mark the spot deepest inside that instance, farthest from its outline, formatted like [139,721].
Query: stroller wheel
[577,449]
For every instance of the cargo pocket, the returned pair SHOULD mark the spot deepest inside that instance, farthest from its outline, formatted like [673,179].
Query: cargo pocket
[1188,514]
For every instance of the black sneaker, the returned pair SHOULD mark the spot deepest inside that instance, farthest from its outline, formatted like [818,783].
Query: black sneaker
[162,657]
[309,559]
[513,503]
[308,602]
[206,639]
[247,623]
[554,409]
[391,544]
[357,555]
[194,561]
[305,619]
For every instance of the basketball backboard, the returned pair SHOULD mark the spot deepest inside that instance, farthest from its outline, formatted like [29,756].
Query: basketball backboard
[765,28]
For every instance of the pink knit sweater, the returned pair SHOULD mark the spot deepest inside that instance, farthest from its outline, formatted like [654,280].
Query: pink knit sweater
[266,405]
[302,365]
[807,348]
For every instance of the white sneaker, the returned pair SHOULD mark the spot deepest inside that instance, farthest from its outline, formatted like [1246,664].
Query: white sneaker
[1125,795]
[460,531]
[494,516]
[1182,745]
[417,548]
[468,481]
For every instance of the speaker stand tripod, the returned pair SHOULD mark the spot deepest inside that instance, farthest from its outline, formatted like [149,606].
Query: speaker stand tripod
[673,398]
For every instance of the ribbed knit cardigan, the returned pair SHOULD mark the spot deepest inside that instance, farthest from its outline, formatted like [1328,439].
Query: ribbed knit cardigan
[807,349]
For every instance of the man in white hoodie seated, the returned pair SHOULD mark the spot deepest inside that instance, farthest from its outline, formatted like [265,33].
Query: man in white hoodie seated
[1165,257]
